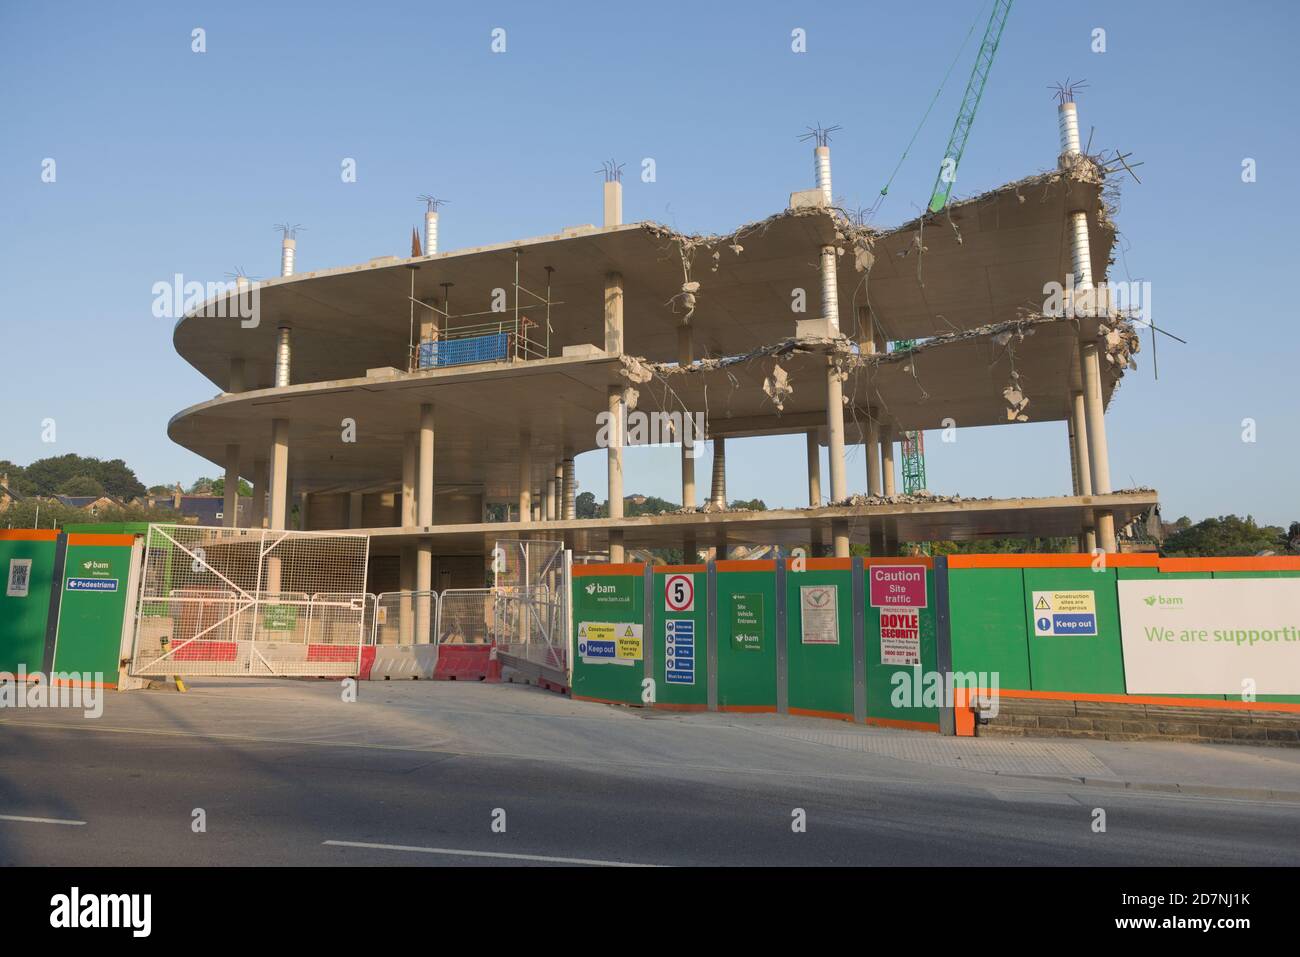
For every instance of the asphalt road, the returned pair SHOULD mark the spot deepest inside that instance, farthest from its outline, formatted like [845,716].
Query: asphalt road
[414,773]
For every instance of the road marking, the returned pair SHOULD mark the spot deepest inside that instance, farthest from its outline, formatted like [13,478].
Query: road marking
[451,852]
[38,820]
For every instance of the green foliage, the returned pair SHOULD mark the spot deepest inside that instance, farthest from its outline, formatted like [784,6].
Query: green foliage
[1006,546]
[753,504]
[47,476]
[25,514]
[586,507]
[1228,535]
[217,487]
[82,485]
[651,506]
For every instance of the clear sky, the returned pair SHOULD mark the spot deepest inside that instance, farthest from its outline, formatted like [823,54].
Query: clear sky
[174,161]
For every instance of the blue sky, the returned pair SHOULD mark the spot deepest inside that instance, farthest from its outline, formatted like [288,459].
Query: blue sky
[171,161]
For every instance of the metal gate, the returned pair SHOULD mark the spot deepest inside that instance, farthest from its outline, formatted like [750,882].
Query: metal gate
[245,601]
[531,579]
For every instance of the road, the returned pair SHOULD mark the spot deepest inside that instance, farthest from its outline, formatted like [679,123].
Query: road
[416,773]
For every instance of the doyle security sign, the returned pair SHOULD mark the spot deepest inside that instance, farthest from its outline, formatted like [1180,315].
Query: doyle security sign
[1064,613]
[679,652]
[609,643]
[679,593]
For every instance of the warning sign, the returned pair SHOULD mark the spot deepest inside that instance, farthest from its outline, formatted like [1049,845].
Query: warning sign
[679,593]
[900,636]
[607,643]
[1062,613]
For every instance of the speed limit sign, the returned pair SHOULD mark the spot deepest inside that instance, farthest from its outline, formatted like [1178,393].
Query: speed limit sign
[679,593]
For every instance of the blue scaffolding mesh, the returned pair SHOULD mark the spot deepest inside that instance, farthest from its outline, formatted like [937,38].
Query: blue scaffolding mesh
[457,352]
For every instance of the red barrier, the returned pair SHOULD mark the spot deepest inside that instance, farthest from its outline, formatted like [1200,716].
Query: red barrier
[367,662]
[199,649]
[467,663]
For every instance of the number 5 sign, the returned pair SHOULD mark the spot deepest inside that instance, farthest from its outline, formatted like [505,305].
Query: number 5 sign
[679,593]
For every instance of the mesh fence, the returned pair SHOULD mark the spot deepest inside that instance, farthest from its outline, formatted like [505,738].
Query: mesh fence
[532,589]
[468,616]
[405,617]
[234,601]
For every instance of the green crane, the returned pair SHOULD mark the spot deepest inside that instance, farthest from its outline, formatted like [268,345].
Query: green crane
[913,444]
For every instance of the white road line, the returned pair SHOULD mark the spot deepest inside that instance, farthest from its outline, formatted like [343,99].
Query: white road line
[38,820]
[514,857]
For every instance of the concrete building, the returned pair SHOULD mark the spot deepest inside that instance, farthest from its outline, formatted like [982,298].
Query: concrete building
[405,396]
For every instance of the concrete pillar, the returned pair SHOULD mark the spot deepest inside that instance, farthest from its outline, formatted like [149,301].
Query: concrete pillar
[835,455]
[237,380]
[261,481]
[406,609]
[424,517]
[1074,464]
[356,510]
[685,356]
[614,313]
[875,485]
[304,511]
[613,203]
[570,490]
[1098,455]
[230,500]
[283,340]
[718,493]
[279,472]
[559,490]
[410,469]
[550,498]
[814,469]
[887,459]
[614,463]
[525,477]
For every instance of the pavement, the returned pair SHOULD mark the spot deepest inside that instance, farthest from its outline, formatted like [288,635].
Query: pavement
[452,773]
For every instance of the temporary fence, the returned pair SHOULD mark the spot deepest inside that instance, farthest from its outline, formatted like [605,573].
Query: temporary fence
[231,601]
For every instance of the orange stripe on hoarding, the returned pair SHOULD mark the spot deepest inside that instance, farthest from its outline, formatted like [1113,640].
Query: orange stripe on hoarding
[1186,702]
[743,565]
[91,538]
[748,708]
[627,568]
[903,725]
[626,704]
[828,564]
[28,535]
[902,560]
[1063,560]
[680,707]
[814,713]
[1266,563]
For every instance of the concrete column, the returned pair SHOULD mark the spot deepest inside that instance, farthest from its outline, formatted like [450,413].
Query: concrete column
[261,481]
[550,498]
[230,501]
[835,455]
[237,380]
[1098,455]
[814,470]
[525,477]
[874,474]
[283,340]
[559,490]
[279,472]
[410,469]
[718,494]
[570,490]
[356,510]
[424,517]
[614,313]
[1074,464]
[304,511]
[887,459]
[685,356]
[614,463]
[406,581]
[613,203]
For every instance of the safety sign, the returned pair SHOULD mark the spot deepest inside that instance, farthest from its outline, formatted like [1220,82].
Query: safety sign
[92,584]
[900,636]
[609,643]
[679,593]
[679,652]
[1062,613]
[819,614]
[748,624]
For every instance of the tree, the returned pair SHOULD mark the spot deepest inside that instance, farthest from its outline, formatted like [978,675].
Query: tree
[82,485]
[1226,535]
[48,474]
[217,487]
[753,504]
[586,507]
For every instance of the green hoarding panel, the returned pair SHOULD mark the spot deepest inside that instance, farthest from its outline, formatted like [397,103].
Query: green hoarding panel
[747,639]
[1089,661]
[892,698]
[27,568]
[819,640]
[92,610]
[680,602]
[989,624]
[607,626]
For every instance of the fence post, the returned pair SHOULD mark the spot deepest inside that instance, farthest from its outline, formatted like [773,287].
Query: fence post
[943,641]
[782,643]
[647,631]
[56,596]
[711,635]
[859,642]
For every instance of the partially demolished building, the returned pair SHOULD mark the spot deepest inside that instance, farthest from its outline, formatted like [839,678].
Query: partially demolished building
[414,398]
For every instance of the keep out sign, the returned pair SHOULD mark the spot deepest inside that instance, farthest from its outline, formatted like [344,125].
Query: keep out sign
[897,586]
